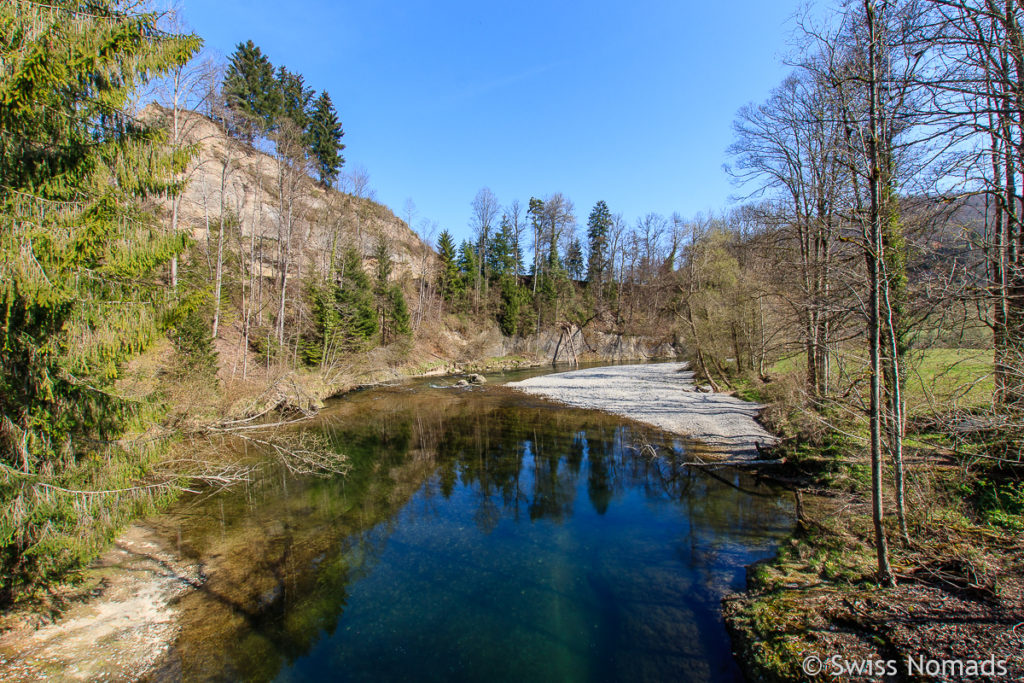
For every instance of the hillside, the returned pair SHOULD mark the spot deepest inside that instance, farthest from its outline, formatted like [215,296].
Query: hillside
[248,182]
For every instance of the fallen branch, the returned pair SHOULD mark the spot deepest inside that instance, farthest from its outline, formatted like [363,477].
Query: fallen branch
[733,463]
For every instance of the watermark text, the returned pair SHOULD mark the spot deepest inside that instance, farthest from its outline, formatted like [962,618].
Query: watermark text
[839,666]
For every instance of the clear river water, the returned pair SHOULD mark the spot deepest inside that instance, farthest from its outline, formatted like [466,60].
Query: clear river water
[481,535]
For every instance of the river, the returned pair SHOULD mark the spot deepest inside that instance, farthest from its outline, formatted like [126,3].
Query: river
[481,534]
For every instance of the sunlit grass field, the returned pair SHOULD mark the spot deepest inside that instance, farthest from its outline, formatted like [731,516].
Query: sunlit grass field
[938,379]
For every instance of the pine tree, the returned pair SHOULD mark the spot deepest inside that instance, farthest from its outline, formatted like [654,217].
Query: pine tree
[599,223]
[251,90]
[382,255]
[325,135]
[79,257]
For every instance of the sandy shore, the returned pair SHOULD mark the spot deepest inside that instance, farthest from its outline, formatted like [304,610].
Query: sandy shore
[662,395]
[118,631]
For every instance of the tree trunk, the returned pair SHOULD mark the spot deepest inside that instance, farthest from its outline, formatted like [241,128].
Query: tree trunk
[225,171]
[874,261]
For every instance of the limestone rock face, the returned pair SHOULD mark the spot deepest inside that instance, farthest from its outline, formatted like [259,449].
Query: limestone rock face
[250,189]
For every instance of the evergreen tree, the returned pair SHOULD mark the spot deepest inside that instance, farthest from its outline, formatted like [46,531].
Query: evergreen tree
[325,135]
[502,256]
[79,267]
[251,90]
[598,224]
[295,99]
[449,281]
[391,306]
[468,266]
[400,323]
[382,255]
[357,316]
[574,260]
[322,340]
[513,297]
[195,355]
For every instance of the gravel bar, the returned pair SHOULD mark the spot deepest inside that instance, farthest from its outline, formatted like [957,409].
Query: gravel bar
[662,395]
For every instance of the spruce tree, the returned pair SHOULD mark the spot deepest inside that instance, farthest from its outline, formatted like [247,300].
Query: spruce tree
[448,283]
[80,260]
[357,315]
[501,256]
[382,255]
[599,223]
[325,135]
[513,297]
[295,98]
[251,90]
[468,266]
[574,260]
[398,313]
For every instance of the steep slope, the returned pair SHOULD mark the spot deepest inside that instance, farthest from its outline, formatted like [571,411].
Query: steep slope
[252,187]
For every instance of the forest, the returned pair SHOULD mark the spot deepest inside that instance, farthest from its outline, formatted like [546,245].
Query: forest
[183,251]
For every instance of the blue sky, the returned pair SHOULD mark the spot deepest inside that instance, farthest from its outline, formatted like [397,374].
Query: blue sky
[627,102]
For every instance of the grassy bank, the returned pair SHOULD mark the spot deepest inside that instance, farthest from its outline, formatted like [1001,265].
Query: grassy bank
[959,574]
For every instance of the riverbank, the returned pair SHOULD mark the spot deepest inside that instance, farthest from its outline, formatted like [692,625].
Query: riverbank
[959,593]
[958,599]
[116,624]
[663,395]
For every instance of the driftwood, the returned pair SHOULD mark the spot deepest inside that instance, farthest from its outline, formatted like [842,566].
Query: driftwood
[734,463]
[568,331]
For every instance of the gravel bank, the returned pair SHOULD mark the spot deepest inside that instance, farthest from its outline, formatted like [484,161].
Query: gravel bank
[659,394]
[119,632]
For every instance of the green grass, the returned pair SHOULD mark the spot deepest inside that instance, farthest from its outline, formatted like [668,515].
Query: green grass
[944,378]
[937,378]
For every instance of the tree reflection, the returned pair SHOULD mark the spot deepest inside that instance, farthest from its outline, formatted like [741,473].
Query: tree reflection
[283,554]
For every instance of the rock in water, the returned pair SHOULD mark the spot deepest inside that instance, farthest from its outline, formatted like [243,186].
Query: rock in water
[477,379]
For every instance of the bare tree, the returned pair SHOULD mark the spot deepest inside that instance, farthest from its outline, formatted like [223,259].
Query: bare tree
[427,231]
[485,209]
[187,88]
[291,173]
[517,222]
[791,145]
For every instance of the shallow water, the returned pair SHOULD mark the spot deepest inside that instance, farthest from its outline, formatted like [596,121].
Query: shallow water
[481,535]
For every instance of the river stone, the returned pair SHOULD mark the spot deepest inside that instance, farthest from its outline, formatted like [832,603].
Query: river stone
[477,379]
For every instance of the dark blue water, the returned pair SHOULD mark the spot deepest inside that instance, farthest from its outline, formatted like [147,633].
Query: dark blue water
[481,535]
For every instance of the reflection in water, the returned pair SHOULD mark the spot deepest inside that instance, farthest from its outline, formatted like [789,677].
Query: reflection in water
[481,535]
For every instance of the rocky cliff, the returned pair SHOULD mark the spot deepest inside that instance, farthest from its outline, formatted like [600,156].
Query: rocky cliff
[259,195]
